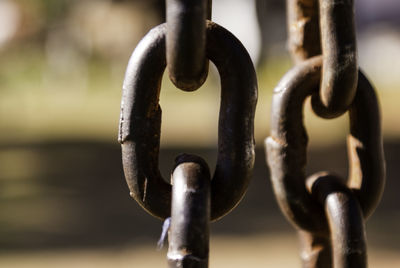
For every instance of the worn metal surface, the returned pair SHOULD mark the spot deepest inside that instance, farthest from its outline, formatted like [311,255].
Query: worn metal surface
[286,150]
[326,27]
[186,42]
[339,74]
[140,121]
[304,40]
[328,213]
[315,249]
[345,219]
[190,214]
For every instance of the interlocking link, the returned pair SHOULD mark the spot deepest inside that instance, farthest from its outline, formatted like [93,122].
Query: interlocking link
[345,220]
[346,241]
[326,24]
[286,153]
[190,213]
[287,145]
[328,212]
[141,119]
[186,42]
[328,215]
[340,69]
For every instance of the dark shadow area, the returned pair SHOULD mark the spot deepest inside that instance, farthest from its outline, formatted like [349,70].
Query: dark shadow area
[59,195]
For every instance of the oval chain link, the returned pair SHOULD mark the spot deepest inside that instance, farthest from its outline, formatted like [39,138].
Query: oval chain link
[329,216]
[287,145]
[141,119]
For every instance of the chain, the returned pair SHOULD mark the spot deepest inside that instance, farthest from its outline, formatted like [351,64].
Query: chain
[190,215]
[337,40]
[184,44]
[328,214]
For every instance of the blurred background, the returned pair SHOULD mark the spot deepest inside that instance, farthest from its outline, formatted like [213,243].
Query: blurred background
[63,198]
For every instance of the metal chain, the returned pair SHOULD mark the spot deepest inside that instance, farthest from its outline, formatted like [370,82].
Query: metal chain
[184,44]
[329,215]
[140,122]
[326,24]
[190,213]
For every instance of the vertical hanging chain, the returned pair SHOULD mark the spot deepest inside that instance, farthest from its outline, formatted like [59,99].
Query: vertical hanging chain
[326,27]
[328,214]
[140,122]
[190,213]
[340,69]
[186,42]
[183,45]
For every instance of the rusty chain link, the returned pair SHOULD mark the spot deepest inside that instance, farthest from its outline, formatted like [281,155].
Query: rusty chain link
[286,154]
[190,213]
[328,214]
[174,44]
[141,120]
[186,42]
[326,25]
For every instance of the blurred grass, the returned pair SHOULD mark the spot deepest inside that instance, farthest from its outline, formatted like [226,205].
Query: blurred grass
[41,184]
[263,250]
[63,198]
[66,203]
[39,102]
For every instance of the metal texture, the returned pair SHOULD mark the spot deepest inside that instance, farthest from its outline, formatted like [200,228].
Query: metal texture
[315,250]
[339,74]
[287,144]
[190,214]
[329,24]
[186,42]
[346,238]
[303,27]
[345,219]
[140,122]
[286,156]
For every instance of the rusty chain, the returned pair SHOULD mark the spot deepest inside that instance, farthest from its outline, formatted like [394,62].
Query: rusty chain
[190,213]
[328,214]
[184,44]
[337,41]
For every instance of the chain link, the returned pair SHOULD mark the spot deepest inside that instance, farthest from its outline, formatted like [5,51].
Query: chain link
[340,69]
[190,213]
[345,221]
[329,215]
[175,45]
[140,122]
[186,42]
[326,27]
